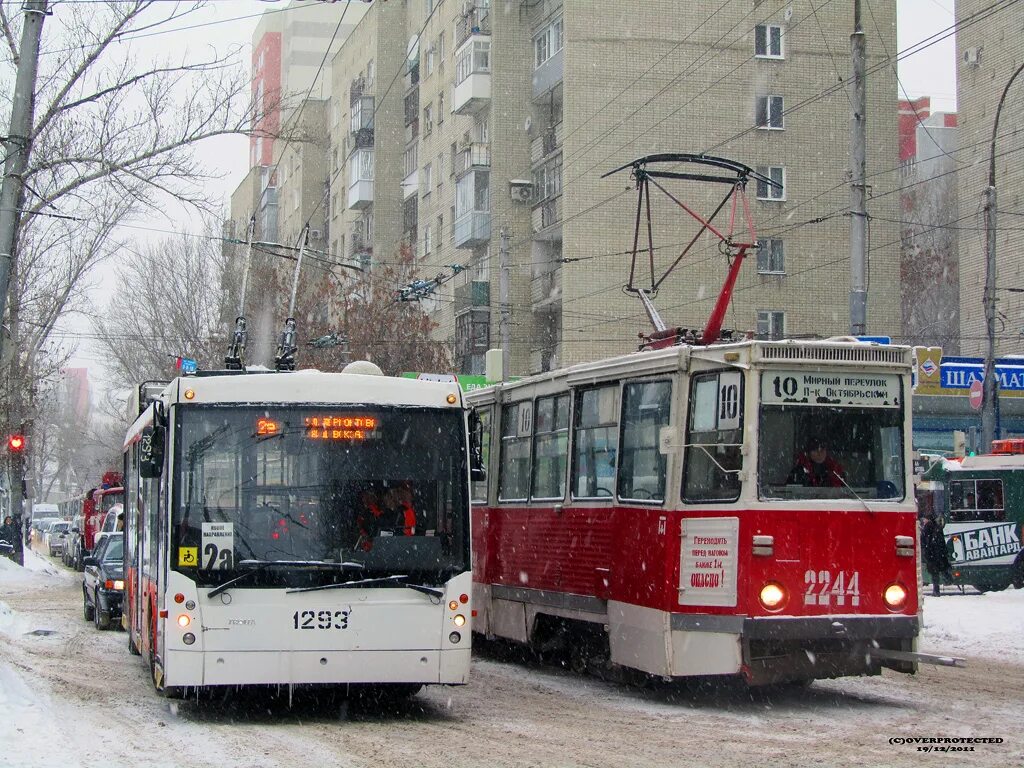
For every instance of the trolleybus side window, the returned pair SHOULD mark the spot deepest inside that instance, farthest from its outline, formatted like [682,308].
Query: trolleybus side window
[645,410]
[550,447]
[831,435]
[480,487]
[976,500]
[514,473]
[595,442]
[714,439]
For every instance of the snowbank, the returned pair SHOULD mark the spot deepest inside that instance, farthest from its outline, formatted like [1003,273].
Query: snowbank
[989,625]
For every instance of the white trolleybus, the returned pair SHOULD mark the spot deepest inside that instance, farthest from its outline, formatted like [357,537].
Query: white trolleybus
[299,528]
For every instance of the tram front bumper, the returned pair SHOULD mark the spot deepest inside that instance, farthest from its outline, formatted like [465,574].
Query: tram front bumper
[777,649]
[201,668]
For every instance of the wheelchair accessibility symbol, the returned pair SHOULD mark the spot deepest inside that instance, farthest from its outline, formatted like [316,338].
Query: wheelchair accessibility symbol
[188,556]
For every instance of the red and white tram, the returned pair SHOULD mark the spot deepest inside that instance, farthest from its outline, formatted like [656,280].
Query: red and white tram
[737,509]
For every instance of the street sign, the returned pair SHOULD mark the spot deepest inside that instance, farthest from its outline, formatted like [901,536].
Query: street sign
[976,394]
[876,339]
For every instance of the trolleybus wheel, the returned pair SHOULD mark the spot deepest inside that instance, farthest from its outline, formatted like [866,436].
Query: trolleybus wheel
[132,648]
[1018,573]
[87,610]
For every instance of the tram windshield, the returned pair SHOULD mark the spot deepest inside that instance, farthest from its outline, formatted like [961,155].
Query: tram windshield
[319,490]
[830,436]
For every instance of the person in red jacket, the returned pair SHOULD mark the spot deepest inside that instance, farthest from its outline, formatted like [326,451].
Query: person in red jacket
[816,468]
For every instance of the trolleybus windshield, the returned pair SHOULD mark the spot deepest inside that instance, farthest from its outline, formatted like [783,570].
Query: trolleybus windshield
[831,435]
[376,490]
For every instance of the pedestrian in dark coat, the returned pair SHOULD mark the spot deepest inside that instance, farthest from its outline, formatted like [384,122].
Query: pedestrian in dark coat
[933,550]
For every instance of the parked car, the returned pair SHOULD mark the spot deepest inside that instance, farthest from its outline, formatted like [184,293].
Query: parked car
[103,583]
[54,538]
[73,543]
[40,525]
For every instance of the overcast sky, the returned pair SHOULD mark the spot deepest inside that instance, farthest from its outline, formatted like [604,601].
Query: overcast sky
[228,26]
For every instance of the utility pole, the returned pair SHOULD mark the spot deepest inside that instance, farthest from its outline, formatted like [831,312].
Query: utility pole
[235,358]
[858,188]
[989,392]
[506,309]
[19,143]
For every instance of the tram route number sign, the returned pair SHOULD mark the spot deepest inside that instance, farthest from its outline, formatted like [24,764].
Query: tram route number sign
[834,388]
[217,550]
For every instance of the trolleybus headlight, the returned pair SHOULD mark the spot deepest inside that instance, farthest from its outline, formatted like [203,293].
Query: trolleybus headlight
[772,596]
[453,605]
[118,584]
[191,605]
[454,637]
[459,620]
[188,638]
[184,621]
[895,596]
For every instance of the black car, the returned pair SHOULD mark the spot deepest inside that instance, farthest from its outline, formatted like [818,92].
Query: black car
[103,582]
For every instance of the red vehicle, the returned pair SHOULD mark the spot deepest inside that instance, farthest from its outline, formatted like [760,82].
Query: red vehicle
[95,508]
[704,508]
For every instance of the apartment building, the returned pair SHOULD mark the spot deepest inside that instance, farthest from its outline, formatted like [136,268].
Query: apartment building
[930,274]
[989,50]
[477,133]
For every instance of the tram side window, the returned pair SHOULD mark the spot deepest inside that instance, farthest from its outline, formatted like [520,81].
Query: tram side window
[976,500]
[550,447]
[516,430]
[479,488]
[131,503]
[645,410]
[596,442]
[714,438]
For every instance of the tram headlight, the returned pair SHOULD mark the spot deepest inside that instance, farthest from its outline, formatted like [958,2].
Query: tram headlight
[895,596]
[459,620]
[772,596]
[184,620]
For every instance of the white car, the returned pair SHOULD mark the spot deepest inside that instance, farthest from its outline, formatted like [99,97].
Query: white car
[55,537]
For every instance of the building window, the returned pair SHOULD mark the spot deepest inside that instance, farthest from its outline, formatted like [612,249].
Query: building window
[769,112]
[440,108]
[451,218]
[440,50]
[775,191]
[547,181]
[370,72]
[548,42]
[440,230]
[411,160]
[771,257]
[428,240]
[430,60]
[440,170]
[768,41]
[771,324]
[428,119]
[428,176]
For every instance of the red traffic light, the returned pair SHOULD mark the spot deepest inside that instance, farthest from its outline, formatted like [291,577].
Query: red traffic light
[16,443]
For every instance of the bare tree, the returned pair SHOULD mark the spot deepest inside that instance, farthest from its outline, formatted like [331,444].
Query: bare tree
[396,335]
[167,303]
[114,137]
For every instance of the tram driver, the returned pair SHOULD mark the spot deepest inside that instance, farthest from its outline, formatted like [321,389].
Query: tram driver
[815,467]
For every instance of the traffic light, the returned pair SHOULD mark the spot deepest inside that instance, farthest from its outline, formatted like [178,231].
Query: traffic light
[16,443]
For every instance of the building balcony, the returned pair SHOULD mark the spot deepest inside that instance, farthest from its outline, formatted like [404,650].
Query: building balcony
[473,294]
[411,184]
[472,91]
[361,120]
[411,108]
[548,75]
[476,22]
[472,228]
[359,250]
[472,332]
[475,157]
[360,194]
[547,219]
[549,142]
[546,289]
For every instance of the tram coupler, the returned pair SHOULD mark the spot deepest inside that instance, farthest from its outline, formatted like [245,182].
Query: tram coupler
[913,657]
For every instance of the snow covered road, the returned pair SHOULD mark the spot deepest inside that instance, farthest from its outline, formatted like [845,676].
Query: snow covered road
[77,698]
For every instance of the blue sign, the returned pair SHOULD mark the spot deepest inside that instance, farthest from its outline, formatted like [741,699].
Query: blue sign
[188,366]
[959,372]
[875,339]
